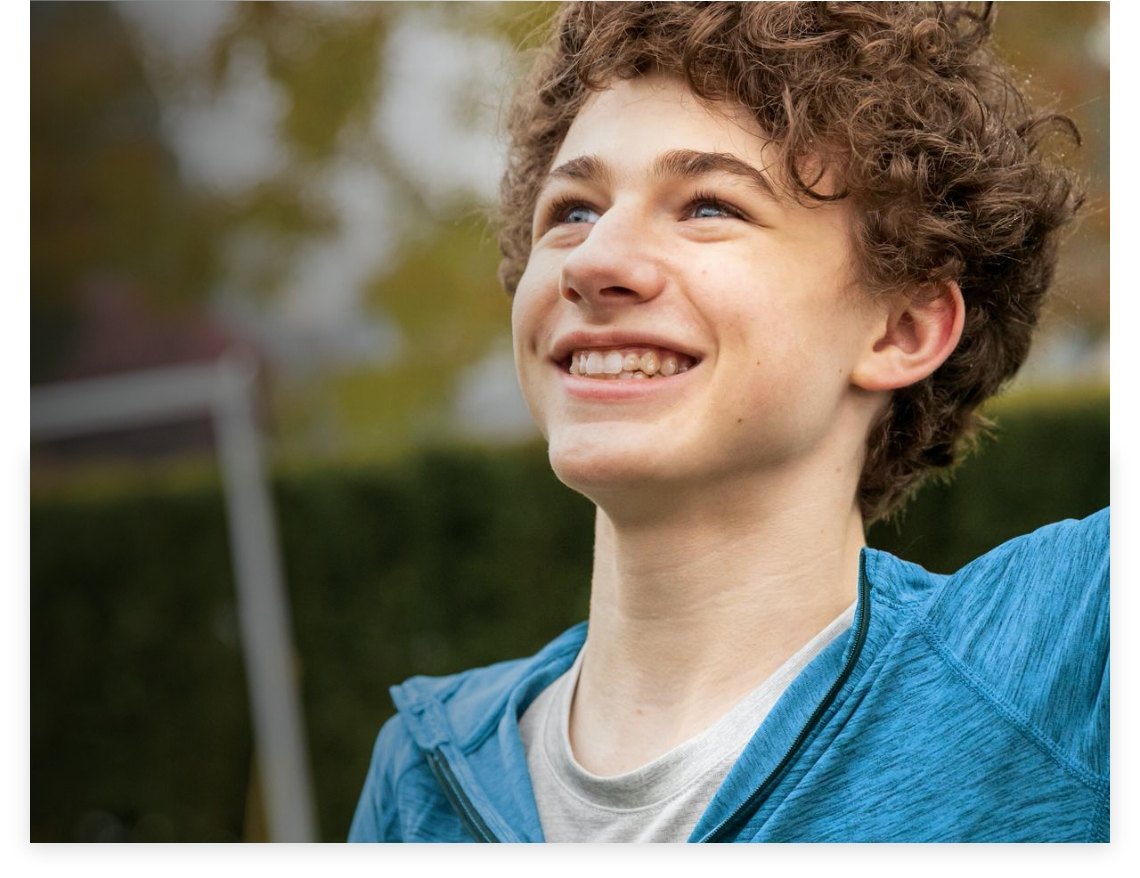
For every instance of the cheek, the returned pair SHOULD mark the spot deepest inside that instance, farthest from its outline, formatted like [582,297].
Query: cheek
[536,293]
[530,328]
[518,322]
[526,307]
[523,343]
[789,359]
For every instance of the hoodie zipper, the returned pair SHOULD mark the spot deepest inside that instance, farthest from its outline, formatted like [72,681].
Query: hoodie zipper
[749,806]
[474,823]
[468,814]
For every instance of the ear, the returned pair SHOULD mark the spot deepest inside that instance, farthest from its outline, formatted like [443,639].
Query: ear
[916,338]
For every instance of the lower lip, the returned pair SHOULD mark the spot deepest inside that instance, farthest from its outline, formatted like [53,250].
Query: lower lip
[617,389]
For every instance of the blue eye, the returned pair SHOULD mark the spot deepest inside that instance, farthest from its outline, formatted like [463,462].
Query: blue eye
[578,213]
[708,207]
[565,211]
[568,211]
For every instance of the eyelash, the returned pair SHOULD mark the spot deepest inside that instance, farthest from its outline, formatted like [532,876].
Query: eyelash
[709,198]
[557,210]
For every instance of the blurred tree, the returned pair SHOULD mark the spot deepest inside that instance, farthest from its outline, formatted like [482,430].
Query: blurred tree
[1062,48]
[107,200]
[330,64]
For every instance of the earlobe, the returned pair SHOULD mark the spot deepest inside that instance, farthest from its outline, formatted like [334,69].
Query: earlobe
[916,337]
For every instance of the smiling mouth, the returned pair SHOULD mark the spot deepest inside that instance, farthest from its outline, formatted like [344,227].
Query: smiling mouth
[627,363]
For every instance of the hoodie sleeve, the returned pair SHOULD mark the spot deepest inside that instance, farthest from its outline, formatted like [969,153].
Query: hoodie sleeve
[375,817]
[1028,624]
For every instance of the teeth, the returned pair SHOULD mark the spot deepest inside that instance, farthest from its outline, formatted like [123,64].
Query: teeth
[626,364]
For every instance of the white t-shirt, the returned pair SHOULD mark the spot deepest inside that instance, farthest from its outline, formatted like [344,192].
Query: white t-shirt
[662,800]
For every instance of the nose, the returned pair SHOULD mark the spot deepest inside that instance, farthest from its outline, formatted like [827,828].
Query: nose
[619,262]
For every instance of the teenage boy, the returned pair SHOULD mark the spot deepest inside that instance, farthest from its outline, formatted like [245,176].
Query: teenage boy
[766,261]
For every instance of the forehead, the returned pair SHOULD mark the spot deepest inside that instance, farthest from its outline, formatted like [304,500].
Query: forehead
[656,113]
[632,126]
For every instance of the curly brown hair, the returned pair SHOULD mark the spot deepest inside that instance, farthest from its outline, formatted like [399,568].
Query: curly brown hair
[927,131]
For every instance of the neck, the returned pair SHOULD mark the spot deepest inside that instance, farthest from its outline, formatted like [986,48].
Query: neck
[693,607]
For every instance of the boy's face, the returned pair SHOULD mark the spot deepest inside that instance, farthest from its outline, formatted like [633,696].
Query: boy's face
[659,237]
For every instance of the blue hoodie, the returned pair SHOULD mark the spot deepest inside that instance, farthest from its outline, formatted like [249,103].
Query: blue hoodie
[971,707]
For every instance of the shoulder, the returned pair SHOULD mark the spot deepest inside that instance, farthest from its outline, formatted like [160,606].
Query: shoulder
[1028,622]
[1042,582]
[392,754]
[460,709]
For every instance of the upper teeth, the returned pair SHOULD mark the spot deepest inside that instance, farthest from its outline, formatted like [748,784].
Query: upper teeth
[628,363]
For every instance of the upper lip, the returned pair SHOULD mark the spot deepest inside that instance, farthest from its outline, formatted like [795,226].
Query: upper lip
[565,345]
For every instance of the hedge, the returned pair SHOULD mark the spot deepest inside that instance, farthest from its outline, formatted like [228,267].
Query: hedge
[454,558]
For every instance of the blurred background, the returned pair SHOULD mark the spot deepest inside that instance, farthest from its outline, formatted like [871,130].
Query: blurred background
[279,458]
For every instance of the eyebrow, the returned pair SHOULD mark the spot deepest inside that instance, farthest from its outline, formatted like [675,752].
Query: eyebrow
[585,168]
[677,163]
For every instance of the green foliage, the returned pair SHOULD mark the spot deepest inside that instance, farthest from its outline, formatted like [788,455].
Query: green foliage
[138,704]
[447,560]
[326,59]
[452,559]
[525,24]
[452,315]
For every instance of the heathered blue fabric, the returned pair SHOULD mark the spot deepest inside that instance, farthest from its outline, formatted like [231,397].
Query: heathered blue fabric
[977,710]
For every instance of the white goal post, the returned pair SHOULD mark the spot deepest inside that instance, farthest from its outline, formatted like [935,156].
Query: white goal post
[224,390]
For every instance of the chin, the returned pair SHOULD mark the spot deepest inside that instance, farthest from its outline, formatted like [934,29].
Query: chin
[593,471]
